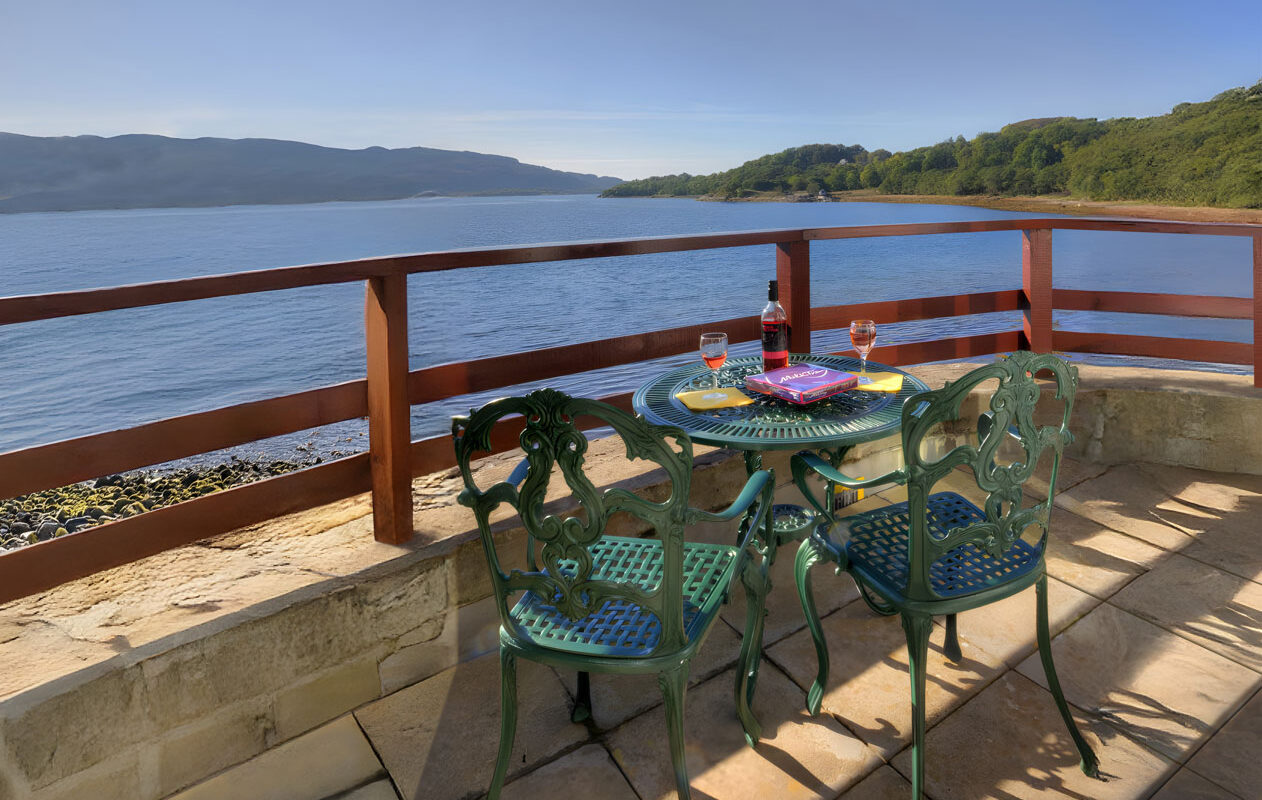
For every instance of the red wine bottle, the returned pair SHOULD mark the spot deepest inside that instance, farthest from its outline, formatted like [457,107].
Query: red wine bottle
[775,331]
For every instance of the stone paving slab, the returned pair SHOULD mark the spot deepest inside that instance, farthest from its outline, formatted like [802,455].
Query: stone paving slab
[323,763]
[1230,759]
[1091,557]
[798,756]
[868,686]
[1072,472]
[1008,630]
[1229,542]
[1187,785]
[588,772]
[439,738]
[1231,546]
[1128,500]
[618,698]
[1157,688]
[884,784]
[380,790]
[1010,742]
[1222,491]
[1218,611]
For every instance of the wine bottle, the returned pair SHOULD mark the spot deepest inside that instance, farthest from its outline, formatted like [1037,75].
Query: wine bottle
[775,331]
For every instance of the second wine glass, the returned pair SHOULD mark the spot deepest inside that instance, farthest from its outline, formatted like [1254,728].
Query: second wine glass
[714,353]
[863,337]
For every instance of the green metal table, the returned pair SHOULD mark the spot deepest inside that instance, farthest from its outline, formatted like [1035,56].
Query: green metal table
[832,425]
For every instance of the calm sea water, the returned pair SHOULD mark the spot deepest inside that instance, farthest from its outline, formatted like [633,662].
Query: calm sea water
[70,377]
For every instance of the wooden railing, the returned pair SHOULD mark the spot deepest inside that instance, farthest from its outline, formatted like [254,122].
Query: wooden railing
[389,389]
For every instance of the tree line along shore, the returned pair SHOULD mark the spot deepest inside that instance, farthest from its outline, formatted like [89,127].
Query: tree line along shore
[1199,154]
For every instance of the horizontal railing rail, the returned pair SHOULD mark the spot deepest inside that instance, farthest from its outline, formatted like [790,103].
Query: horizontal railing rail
[389,390]
[74,460]
[1175,305]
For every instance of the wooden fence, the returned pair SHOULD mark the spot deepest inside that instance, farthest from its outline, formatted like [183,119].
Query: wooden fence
[389,390]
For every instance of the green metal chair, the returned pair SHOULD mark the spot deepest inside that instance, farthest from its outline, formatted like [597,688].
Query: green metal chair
[598,603]
[937,553]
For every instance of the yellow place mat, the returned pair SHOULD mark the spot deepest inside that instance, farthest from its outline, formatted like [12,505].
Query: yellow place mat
[880,382]
[714,398]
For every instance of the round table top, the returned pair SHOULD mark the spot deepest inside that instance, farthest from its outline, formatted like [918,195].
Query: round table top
[769,423]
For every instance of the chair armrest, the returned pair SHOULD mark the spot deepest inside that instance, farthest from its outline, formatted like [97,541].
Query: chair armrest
[515,478]
[760,488]
[756,485]
[987,421]
[519,473]
[806,462]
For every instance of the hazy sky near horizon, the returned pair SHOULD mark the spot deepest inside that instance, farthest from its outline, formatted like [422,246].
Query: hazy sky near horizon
[629,89]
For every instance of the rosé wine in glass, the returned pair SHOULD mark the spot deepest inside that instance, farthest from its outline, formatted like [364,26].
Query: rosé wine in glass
[863,337]
[714,353]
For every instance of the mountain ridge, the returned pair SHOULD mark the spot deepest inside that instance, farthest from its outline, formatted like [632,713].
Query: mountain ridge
[78,173]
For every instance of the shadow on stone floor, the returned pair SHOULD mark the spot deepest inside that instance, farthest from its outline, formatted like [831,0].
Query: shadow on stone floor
[1163,633]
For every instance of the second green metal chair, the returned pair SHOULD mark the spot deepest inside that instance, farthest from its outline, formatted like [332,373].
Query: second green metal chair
[937,553]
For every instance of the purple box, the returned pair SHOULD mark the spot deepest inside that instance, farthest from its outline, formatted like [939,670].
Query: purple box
[801,383]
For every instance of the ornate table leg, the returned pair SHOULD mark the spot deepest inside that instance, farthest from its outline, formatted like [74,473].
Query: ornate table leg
[753,461]
[785,522]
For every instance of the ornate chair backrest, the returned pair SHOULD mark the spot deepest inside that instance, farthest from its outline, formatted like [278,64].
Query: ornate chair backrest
[551,439]
[1009,514]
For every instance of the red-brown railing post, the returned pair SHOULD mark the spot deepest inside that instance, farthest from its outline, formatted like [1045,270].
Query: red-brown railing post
[793,271]
[389,415]
[1036,283]
[1257,310]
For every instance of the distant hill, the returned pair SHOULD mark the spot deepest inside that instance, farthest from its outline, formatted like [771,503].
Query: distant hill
[70,173]
[1205,154]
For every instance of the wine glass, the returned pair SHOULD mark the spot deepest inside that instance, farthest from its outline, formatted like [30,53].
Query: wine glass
[714,353]
[863,337]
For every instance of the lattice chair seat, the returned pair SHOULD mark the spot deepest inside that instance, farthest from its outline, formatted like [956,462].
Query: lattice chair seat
[878,547]
[619,627]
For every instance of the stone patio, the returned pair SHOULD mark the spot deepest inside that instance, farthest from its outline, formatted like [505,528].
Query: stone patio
[1157,619]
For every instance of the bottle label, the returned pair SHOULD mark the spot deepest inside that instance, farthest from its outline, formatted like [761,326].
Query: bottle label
[775,340]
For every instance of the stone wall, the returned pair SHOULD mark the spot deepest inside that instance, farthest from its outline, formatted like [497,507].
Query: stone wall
[143,680]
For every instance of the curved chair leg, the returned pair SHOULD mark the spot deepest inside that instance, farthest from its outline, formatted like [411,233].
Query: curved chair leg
[674,684]
[809,555]
[755,581]
[508,719]
[583,699]
[917,628]
[1090,764]
[952,648]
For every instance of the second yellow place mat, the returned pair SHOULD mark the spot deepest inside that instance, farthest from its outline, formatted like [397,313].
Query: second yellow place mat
[880,382]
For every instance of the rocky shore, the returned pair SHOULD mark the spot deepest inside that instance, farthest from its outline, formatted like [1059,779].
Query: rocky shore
[52,513]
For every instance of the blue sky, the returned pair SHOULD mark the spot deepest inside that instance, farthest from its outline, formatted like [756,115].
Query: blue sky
[629,88]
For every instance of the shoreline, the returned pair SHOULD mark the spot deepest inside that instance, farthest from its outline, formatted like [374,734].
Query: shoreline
[63,511]
[1041,204]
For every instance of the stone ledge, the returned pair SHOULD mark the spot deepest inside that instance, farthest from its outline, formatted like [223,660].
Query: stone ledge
[284,625]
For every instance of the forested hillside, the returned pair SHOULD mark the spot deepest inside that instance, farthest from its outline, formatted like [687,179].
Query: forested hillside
[1199,154]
